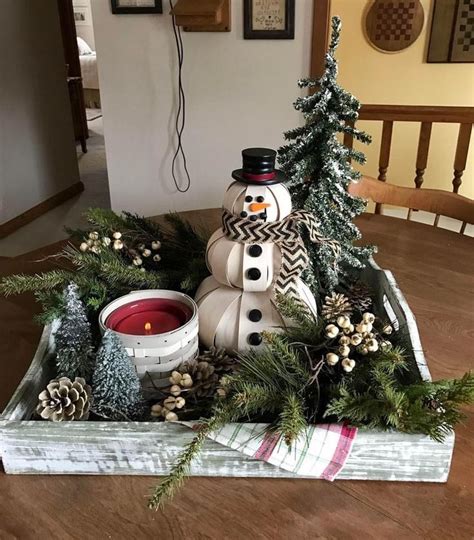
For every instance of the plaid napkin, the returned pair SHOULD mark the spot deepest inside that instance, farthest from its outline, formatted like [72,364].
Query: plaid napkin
[321,452]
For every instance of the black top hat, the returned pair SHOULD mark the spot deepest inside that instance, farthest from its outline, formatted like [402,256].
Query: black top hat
[258,167]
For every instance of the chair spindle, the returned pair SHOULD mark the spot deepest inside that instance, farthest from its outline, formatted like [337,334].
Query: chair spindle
[384,157]
[462,149]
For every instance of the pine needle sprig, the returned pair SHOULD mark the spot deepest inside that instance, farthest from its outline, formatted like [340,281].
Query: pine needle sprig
[165,491]
[292,421]
[22,283]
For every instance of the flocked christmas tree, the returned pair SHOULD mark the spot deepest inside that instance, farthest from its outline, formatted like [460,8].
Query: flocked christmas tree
[319,169]
[116,388]
[73,339]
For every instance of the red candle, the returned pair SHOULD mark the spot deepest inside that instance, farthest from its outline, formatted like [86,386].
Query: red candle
[149,317]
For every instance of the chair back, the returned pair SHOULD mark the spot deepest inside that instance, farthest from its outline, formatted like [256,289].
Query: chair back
[436,201]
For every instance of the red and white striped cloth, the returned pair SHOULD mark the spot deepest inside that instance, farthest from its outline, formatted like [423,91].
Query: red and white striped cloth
[321,452]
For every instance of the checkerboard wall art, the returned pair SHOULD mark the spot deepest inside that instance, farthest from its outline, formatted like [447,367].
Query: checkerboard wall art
[393,25]
[452,31]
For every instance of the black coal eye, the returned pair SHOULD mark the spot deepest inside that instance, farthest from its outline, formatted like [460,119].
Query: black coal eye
[262,215]
[249,198]
[253,217]
[260,199]
[243,214]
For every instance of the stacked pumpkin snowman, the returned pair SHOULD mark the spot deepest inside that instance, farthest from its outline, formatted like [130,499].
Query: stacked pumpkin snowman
[237,302]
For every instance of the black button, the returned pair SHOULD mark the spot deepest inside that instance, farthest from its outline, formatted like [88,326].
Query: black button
[255,250]
[254,274]
[255,339]
[243,214]
[260,198]
[253,217]
[249,198]
[255,315]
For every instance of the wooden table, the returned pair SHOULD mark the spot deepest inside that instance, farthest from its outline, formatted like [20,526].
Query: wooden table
[435,269]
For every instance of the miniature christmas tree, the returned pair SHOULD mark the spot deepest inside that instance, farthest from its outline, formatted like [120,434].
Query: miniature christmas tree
[73,339]
[115,385]
[320,172]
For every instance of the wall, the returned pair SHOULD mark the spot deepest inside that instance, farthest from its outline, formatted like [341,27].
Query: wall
[239,94]
[85,31]
[37,150]
[405,79]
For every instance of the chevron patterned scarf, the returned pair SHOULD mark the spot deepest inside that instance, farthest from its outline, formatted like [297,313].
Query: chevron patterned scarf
[286,234]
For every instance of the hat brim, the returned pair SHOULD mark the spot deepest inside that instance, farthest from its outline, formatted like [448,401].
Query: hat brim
[280,176]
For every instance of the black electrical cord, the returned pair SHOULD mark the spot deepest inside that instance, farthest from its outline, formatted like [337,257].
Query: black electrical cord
[181,112]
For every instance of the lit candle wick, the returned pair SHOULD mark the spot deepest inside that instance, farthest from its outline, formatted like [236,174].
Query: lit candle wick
[148,328]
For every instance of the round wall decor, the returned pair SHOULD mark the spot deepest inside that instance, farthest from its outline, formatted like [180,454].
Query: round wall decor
[393,25]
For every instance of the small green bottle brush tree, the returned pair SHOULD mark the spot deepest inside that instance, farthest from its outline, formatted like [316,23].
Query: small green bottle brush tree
[320,171]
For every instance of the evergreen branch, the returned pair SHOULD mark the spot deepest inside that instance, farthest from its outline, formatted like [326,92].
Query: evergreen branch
[292,420]
[180,469]
[105,219]
[22,283]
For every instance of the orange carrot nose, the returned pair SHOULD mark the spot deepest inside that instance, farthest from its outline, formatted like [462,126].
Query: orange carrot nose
[257,207]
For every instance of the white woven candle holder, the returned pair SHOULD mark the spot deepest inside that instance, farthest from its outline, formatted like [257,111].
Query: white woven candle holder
[156,356]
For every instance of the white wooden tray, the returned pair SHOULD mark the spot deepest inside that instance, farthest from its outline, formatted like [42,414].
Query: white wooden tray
[149,448]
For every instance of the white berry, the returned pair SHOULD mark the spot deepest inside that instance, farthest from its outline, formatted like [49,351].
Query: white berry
[156,410]
[94,235]
[117,235]
[171,417]
[84,246]
[186,381]
[175,390]
[175,377]
[387,329]
[344,350]
[146,252]
[356,339]
[368,318]
[372,345]
[343,321]
[106,241]
[345,340]
[137,261]
[331,330]
[118,244]
[348,364]
[180,403]
[155,245]
[156,258]
[332,359]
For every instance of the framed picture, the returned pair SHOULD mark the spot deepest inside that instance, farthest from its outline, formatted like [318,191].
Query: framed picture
[82,16]
[131,7]
[452,32]
[269,19]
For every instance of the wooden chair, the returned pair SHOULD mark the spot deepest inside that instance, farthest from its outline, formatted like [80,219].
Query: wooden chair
[436,201]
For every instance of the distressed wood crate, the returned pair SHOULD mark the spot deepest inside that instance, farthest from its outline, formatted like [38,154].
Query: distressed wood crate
[149,448]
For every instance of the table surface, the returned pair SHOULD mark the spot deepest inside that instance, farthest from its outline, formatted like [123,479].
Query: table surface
[435,270]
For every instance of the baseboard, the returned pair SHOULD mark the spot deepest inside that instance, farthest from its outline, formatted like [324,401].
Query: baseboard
[30,215]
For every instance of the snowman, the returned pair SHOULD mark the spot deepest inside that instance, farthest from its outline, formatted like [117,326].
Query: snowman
[237,302]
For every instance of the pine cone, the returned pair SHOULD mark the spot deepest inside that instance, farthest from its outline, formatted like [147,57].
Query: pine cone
[336,305]
[222,362]
[360,297]
[65,400]
[205,379]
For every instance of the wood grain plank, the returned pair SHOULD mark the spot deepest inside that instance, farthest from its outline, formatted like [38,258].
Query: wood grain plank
[417,113]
